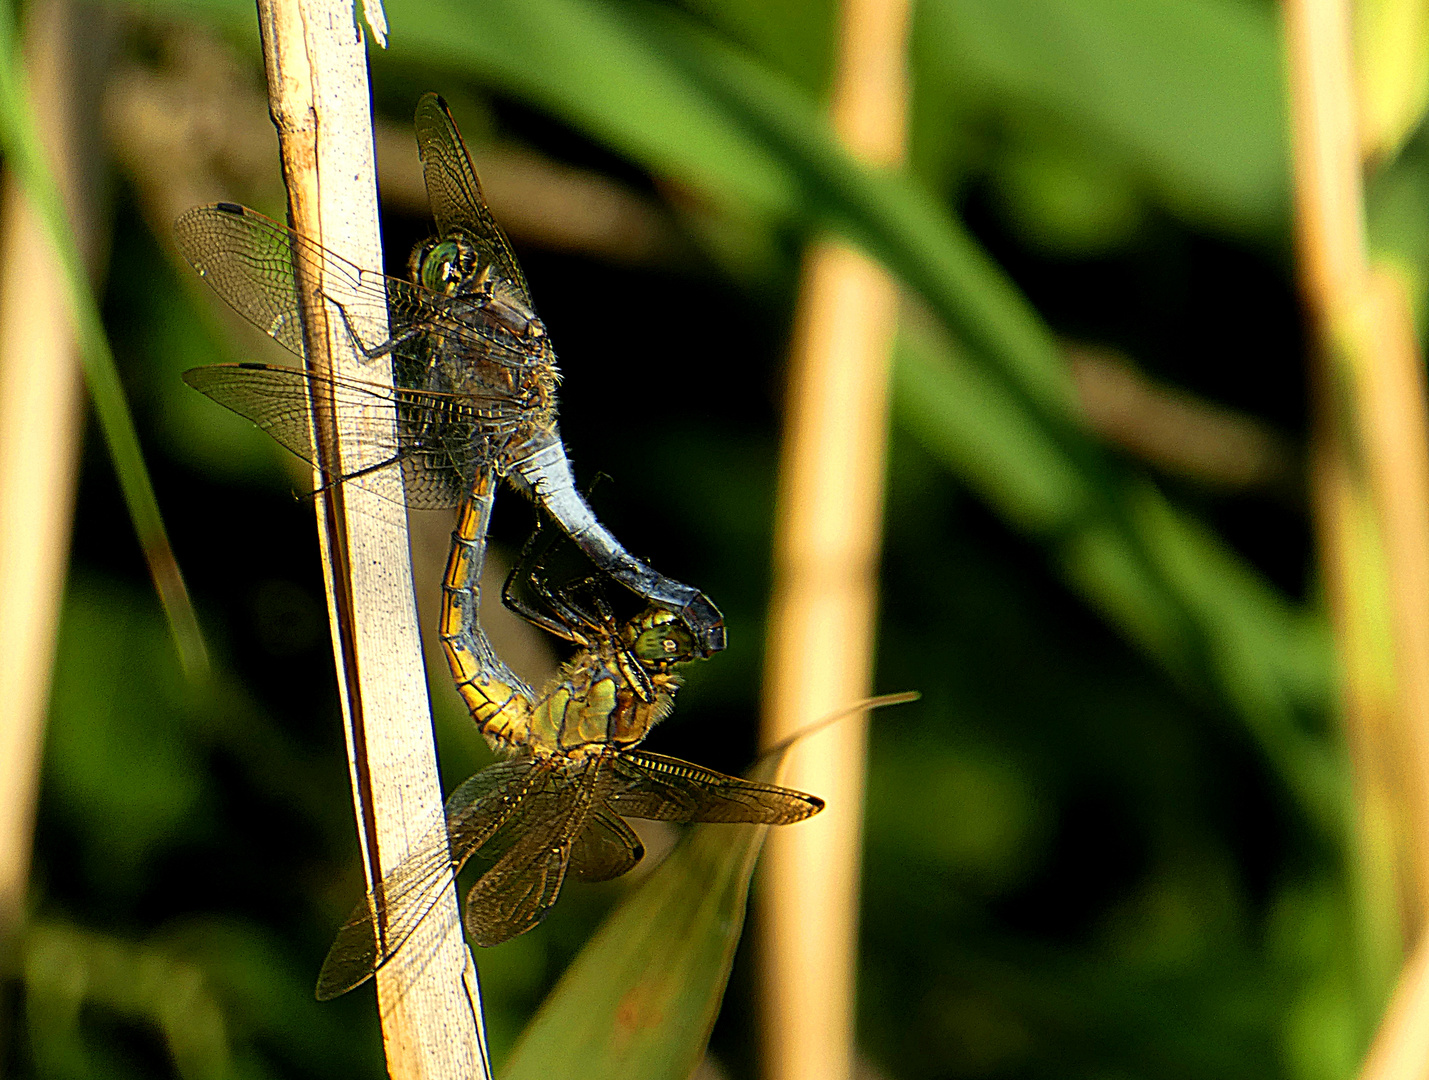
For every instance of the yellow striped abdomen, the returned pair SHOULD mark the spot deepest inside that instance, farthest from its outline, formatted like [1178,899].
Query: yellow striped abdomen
[498,700]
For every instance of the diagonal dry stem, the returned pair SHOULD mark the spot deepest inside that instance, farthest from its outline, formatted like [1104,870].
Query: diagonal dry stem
[318,92]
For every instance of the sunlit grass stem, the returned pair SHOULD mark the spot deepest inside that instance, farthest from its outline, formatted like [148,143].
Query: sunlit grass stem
[1370,475]
[828,535]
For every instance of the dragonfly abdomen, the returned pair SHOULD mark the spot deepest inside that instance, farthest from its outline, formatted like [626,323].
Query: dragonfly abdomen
[498,700]
[543,471]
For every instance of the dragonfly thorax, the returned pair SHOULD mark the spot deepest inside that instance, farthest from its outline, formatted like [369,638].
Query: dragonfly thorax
[454,266]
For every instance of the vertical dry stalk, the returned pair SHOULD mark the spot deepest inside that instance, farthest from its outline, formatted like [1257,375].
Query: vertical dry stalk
[1401,1048]
[40,412]
[1371,476]
[318,93]
[821,622]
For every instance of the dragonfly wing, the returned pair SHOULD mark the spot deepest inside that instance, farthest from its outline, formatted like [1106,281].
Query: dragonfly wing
[668,789]
[516,893]
[248,259]
[438,439]
[483,803]
[533,849]
[455,192]
[605,849]
[257,266]
[387,916]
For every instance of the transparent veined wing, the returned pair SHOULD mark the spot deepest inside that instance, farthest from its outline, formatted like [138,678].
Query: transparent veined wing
[254,264]
[534,847]
[605,848]
[520,890]
[439,440]
[667,789]
[455,192]
[392,911]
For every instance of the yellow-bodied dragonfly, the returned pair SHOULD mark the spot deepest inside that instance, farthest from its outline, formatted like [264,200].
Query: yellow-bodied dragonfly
[474,369]
[556,805]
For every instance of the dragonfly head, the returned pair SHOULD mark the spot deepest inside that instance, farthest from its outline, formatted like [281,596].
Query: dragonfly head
[658,639]
[449,267]
[454,266]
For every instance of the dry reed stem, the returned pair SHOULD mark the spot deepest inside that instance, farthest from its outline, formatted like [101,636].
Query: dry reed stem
[1371,480]
[1401,1047]
[1393,423]
[1329,213]
[41,392]
[822,613]
[318,92]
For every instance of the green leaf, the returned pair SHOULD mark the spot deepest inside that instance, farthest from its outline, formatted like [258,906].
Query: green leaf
[1187,93]
[642,996]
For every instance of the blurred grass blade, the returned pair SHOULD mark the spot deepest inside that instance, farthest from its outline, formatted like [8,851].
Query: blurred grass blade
[66,969]
[1268,658]
[1186,96]
[639,1001]
[21,145]
[1391,73]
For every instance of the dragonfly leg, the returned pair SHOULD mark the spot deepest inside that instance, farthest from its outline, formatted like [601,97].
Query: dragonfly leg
[559,617]
[545,475]
[373,352]
[592,587]
[528,567]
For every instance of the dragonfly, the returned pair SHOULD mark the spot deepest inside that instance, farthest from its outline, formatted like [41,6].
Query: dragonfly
[556,806]
[474,370]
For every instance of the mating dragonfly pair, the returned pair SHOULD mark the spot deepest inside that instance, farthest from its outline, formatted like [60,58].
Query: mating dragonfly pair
[474,403]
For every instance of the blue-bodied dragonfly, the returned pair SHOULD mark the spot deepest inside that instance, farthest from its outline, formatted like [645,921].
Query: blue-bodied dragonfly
[474,370]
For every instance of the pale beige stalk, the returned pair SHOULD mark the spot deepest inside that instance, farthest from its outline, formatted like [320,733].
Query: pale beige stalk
[41,399]
[1401,1048]
[1370,475]
[318,92]
[829,519]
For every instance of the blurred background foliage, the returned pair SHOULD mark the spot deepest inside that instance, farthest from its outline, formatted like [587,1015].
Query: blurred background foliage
[1114,837]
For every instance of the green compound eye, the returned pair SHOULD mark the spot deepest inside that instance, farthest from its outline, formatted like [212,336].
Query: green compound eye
[441,269]
[666,643]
